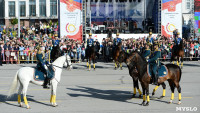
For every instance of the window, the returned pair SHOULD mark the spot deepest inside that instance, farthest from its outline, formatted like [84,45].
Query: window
[32,8]
[53,7]
[42,7]
[188,4]
[11,9]
[22,8]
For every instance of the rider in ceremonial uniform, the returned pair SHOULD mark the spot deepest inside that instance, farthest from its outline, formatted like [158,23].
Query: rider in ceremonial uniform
[147,51]
[41,66]
[90,41]
[117,40]
[177,40]
[155,63]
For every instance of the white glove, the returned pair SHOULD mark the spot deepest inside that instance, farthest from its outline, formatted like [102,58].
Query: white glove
[45,66]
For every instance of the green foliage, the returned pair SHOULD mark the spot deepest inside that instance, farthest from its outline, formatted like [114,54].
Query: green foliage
[50,22]
[14,21]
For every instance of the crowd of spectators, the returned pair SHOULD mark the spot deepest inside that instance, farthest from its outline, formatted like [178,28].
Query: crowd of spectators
[22,48]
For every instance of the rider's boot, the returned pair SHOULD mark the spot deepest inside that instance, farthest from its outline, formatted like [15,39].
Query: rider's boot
[46,80]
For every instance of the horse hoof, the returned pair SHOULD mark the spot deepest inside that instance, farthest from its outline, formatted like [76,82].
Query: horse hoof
[179,102]
[55,105]
[143,103]
[28,107]
[153,94]
[170,102]
[133,96]
[147,104]
[161,97]
[20,105]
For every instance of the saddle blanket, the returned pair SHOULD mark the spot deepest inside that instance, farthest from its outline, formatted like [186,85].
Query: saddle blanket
[39,76]
[162,71]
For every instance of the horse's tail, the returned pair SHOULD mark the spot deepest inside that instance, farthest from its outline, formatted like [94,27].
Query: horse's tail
[180,74]
[13,86]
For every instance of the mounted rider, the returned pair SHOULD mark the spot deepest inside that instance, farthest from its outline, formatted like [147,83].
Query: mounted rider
[116,40]
[155,63]
[90,41]
[41,65]
[147,51]
[177,40]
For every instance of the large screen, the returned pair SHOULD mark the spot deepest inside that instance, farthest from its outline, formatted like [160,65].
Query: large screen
[197,15]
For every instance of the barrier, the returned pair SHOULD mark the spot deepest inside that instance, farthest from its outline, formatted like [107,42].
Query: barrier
[22,56]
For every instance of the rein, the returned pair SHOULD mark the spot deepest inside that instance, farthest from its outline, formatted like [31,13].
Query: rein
[57,66]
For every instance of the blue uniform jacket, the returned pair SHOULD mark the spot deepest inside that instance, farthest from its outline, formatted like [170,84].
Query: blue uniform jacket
[116,41]
[41,63]
[90,42]
[154,58]
[146,53]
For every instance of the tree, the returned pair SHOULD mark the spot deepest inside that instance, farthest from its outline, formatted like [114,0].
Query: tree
[14,21]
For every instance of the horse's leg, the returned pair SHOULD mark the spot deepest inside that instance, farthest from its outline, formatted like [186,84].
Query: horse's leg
[177,61]
[179,91]
[94,63]
[143,91]
[182,62]
[137,85]
[53,93]
[115,64]
[25,87]
[154,90]
[172,86]
[87,63]
[120,65]
[164,90]
[147,93]
[19,95]
[134,87]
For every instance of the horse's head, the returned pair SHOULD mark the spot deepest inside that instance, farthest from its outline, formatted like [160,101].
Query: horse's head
[68,63]
[132,59]
[122,56]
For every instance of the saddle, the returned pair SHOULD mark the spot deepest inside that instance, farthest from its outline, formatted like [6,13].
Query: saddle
[162,71]
[39,76]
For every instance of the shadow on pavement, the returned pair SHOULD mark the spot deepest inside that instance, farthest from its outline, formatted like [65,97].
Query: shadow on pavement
[9,101]
[114,95]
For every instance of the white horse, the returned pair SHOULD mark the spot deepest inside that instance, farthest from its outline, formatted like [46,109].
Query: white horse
[25,76]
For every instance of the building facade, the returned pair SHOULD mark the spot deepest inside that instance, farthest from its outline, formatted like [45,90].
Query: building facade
[31,11]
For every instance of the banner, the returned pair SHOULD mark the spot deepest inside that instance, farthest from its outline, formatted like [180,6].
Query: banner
[171,17]
[197,16]
[71,19]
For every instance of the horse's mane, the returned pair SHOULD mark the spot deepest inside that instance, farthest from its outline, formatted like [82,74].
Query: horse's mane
[141,56]
[58,59]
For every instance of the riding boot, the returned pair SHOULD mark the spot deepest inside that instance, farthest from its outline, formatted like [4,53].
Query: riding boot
[156,79]
[46,80]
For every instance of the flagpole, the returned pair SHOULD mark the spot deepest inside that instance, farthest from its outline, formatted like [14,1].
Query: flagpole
[18,18]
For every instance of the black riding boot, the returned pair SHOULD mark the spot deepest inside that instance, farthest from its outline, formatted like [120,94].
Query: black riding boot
[46,80]
[156,79]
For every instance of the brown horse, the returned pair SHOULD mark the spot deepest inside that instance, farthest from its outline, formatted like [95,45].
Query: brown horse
[116,53]
[173,76]
[90,55]
[178,51]
[132,72]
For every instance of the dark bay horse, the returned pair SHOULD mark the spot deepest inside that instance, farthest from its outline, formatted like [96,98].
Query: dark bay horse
[132,72]
[55,53]
[173,76]
[178,51]
[90,55]
[116,53]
